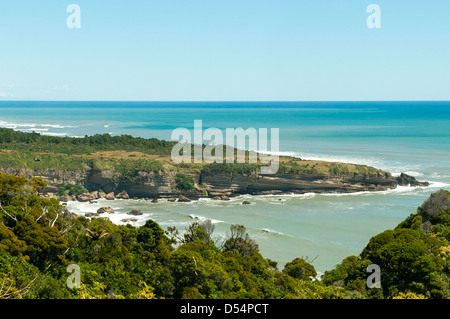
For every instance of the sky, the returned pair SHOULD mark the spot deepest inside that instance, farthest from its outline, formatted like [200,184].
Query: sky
[217,50]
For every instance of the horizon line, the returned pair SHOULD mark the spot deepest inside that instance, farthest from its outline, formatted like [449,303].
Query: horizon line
[224,101]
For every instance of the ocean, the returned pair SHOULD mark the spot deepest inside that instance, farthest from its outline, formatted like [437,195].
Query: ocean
[410,137]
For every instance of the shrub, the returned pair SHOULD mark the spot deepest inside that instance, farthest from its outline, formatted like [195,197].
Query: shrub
[183,182]
[300,269]
[72,190]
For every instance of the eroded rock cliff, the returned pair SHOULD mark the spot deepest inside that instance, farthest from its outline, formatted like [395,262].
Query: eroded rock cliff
[162,184]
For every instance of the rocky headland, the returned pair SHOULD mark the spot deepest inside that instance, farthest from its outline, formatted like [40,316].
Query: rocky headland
[124,167]
[219,186]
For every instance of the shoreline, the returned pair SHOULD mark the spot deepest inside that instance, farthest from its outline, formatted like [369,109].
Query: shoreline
[185,199]
[223,187]
[180,215]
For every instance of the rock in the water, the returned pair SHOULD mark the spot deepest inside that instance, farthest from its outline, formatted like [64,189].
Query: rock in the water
[154,200]
[135,211]
[405,179]
[110,196]
[172,200]
[85,197]
[123,195]
[95,194]
[224,197]
[108,210]
[128,220]
[183,199]
[245,202]
[91,214]
[216,198]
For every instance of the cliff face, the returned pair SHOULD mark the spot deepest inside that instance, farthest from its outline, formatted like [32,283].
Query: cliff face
[218,184]
[162,184]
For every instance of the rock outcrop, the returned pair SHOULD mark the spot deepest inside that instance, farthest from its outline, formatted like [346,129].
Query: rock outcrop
[183,199]
[86,197]
[218,186]
[103,210]
[123,195]
[135,211]
[126,220]
[405,180]
[110,196]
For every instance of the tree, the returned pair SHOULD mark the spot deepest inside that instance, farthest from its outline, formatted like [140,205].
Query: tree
[239,241]
[183,182]
[10,243]
[409,260]
[300,269]
[200,231]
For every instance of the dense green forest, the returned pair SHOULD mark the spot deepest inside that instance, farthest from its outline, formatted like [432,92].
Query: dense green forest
[35,142]
[39,239]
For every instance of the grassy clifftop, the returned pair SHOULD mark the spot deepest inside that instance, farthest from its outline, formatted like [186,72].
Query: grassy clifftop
[35,151]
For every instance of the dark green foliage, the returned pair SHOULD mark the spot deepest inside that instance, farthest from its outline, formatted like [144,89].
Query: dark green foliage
[351,273]
[240,242]
[412,257]
[183,182]
[42,238]
[39,239]
[25,142]
[128,169]
[408,259]
[10,243]
[71,189]
[300,269]
[201,232]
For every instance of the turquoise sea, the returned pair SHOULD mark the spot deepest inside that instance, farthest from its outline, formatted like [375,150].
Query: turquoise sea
[410,137]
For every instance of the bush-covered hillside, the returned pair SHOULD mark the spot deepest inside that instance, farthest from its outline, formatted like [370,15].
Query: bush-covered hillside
[413,257]
[39,239]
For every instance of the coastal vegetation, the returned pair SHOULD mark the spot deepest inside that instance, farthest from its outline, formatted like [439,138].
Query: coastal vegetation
[35,142]
[129,155]
[413,257]
[144,169]
[40,238]
[72,190]
[183,182]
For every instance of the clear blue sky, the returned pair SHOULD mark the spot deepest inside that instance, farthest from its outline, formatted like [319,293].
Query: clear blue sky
[214,50]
